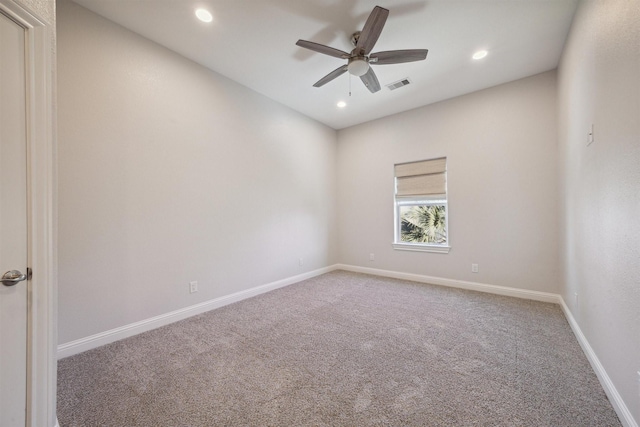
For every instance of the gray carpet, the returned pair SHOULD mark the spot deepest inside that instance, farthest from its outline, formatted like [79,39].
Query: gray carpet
[344,349]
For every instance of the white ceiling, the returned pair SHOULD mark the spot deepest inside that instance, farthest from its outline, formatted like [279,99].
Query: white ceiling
[253,43]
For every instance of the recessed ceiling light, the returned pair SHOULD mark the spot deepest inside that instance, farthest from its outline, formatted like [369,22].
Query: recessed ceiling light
[341,104]
[204,15]
[480,54]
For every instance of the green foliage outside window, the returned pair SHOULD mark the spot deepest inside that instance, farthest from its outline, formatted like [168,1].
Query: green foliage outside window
[423,224]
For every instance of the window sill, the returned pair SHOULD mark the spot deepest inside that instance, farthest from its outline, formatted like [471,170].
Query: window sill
[440,249]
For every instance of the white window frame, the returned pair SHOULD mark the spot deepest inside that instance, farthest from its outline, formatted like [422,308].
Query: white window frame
[399,201]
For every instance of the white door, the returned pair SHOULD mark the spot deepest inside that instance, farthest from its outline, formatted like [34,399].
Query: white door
[13,224]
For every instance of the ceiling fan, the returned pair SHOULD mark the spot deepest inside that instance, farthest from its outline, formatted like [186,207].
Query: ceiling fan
[360,59]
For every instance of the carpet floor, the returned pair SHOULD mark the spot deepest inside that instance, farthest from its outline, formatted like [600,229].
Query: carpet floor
[344,349]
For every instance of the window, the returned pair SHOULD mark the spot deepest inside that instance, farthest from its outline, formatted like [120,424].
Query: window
[421,206]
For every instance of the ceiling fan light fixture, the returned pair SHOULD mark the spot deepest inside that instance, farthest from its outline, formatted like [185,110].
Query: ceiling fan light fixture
[358,67]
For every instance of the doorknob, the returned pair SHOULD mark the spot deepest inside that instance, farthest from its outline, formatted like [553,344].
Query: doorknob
[12,277]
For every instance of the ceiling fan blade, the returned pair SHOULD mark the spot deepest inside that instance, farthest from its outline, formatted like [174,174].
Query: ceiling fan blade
[398,56]
[317,47]
[372,29]
[332,75]
[371,81]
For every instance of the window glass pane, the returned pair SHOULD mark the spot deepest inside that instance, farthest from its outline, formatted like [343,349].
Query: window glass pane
[423,224]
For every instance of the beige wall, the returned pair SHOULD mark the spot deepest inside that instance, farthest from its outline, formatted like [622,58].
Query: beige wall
[170,173]
[500,145]
[599,84]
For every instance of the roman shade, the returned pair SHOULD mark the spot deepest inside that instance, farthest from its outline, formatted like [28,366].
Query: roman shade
[423,178]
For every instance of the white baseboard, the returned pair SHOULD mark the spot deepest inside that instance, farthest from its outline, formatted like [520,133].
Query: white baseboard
[461,284]
[97,340]
[103,338]
[612,393]
[618,404]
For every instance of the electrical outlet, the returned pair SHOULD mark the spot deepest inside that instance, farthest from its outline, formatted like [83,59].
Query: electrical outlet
[372,257]
[300,262]
[590,138]
[193,287]
[575,298]
[474,268]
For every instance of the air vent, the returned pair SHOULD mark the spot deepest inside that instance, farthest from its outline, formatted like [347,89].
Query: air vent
[399,84]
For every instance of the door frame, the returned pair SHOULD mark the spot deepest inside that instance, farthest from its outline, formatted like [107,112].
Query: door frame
[41,207]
